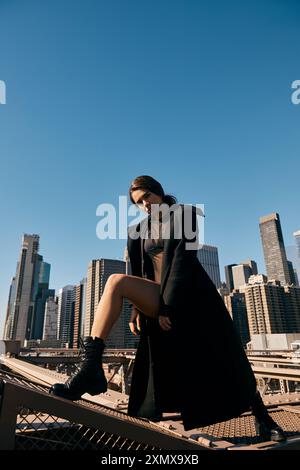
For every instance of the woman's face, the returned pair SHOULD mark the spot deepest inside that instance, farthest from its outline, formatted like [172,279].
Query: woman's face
[144,198]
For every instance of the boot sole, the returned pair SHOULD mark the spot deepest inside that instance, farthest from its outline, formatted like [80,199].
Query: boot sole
[92,392]
[268,436]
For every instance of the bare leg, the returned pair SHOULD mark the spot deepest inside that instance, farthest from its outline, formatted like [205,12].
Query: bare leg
[90,377]
[143,293]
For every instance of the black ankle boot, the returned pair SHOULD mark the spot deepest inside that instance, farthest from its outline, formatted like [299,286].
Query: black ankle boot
[89,377]
[269,431]
[265,426]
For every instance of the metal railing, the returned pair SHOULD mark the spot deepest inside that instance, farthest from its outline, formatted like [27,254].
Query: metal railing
[30,418]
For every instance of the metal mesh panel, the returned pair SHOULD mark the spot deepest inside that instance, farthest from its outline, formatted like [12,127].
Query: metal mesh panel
[242,430]
[18,379]
[24,381]
[37,430]
[41,431]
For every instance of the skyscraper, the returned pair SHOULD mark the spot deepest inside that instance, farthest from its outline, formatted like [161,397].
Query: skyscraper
[127,261]
[292,309]
[297,254]
[274,249]
[272,308]
[23,290]
[292,273]
[92,294]
[131,341]
[98,272]
[297,239]
[242,272]
[50,319]
[66,303]
[236,305]
[252,265]
[208,257]
[229,276]
[42,294]
[265,302]
[296,278]
[8,326]
[79,312]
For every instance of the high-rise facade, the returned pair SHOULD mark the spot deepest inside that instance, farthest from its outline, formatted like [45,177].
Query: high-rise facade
[50,319]
[39,312]
[252,265]
[272,308]
[8,326]
[274,249]
[296,278]
[208,257]
[292,309]
[98,272]
[297,255]
[242,272]
[229,276]
[236,305]
[131,341]
[92,294]
[297,240]
[79,312]
[127,261]
[292,273]
[265,304]
[42,294]
[65,317]
[24,289]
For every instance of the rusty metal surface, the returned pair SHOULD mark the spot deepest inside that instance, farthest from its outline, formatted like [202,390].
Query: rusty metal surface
[241,431]
[37,429]
[30,418]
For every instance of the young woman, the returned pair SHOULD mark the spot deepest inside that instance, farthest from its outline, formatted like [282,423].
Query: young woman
[189,358]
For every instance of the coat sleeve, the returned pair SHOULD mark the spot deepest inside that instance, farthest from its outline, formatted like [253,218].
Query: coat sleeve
[181,270]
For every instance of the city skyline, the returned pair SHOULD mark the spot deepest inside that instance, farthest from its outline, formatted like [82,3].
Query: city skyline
[197,96]
[207,255]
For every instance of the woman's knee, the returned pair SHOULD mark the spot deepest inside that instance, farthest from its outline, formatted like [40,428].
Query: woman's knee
[115,281]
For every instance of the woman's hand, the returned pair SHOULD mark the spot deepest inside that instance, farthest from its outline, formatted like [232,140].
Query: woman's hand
[165,322]
[134,322]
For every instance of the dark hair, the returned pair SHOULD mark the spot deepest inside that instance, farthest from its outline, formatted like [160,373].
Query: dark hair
[149,183]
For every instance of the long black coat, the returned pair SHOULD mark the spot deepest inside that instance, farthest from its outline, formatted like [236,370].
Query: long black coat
[199,367]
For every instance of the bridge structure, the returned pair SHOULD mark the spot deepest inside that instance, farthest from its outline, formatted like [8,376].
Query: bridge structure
[30,418]
[283,369]
[280,366]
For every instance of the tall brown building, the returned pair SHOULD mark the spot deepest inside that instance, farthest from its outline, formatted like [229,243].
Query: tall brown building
[272,308]
[274,249]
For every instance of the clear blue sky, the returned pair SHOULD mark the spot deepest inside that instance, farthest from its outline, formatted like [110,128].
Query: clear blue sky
[195,93]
